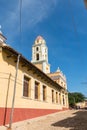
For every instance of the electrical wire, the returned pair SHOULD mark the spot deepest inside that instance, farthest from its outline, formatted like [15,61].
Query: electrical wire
[76,32]
[20,21]
[73,19]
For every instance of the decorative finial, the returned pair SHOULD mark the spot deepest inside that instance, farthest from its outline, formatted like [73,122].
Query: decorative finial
[58,70]
[0,29]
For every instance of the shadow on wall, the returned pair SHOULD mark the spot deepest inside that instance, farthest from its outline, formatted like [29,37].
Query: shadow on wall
[78,122]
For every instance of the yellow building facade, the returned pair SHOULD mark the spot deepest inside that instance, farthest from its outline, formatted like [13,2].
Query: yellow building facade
[36,93]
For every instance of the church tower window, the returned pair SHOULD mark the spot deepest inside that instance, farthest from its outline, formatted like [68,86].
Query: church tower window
[37,56]
[37,49]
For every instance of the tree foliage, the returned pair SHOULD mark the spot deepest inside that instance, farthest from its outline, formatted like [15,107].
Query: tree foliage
[75,98]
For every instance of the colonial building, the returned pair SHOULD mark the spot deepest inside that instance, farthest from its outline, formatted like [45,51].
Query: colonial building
[36,93]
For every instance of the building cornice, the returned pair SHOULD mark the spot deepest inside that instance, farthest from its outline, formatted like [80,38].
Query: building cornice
[11,52]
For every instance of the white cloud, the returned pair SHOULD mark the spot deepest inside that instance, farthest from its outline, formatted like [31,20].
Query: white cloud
[36,11]
[33,12]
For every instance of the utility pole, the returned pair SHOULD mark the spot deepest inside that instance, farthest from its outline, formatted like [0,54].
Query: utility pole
[14,92]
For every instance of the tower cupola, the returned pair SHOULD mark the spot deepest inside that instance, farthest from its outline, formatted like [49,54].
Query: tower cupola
[40,40]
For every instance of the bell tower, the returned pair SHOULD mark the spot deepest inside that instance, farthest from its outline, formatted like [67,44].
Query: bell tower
[40,55]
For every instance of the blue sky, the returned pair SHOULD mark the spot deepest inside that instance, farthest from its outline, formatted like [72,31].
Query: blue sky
[62,23]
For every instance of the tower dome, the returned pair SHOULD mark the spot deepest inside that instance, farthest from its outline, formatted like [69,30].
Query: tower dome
[40,40]
[39,37]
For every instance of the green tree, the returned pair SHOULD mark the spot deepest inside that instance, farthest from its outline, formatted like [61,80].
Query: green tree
[75,98]
[71,100]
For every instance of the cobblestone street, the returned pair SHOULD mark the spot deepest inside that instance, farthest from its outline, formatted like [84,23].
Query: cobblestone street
[69,120]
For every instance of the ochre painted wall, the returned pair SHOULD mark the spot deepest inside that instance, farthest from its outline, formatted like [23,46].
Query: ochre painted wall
[7,75]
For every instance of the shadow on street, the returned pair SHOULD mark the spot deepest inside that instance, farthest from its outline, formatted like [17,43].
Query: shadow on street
[77,122]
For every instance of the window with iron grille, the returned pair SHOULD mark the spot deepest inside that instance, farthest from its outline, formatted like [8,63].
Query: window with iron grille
[26,86]
[59,98]
[37,90]
[63,100]
[44,93]
[52,96]
[56,97]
